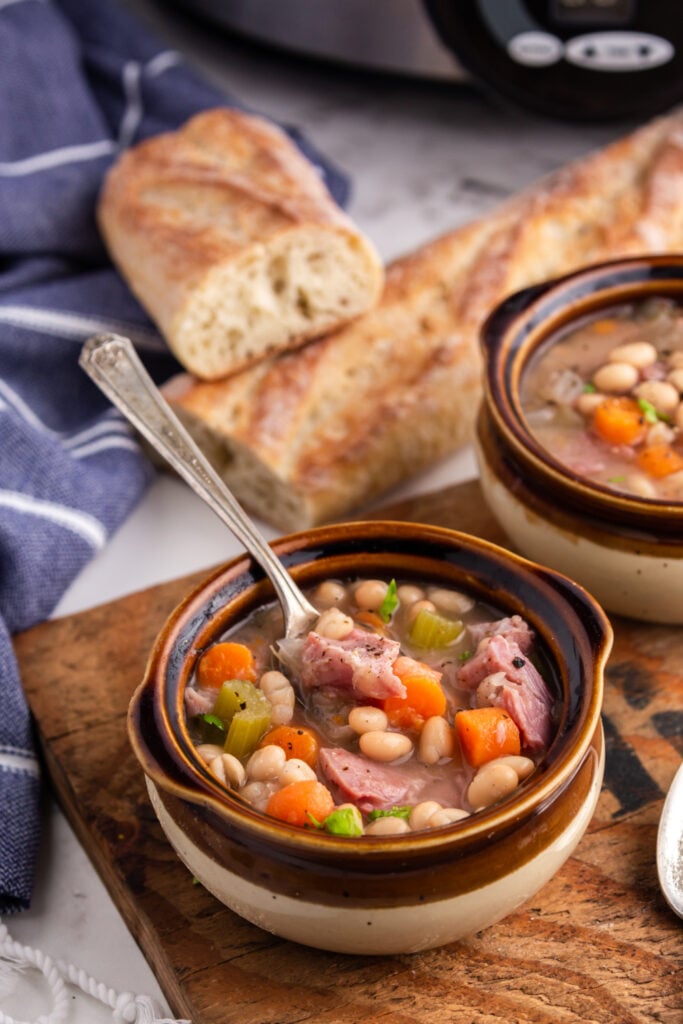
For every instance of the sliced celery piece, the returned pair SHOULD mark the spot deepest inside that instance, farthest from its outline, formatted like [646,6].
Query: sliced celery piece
[248,725]
[430,629]
[233,696]
[245,712]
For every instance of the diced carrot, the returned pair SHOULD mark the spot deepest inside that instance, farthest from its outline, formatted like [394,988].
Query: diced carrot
[604,326]
[659,460]
[223,662]
[296,741]
[619,420]
[301,803]
[485,733]
[370,619]
[424,694]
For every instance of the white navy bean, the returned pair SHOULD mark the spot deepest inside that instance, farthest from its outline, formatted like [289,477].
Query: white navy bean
[385,746]
[368,719]
[660,433]
[295,770]
[388,826]
[675,377]
[329,593]
[491,783]
[489,688]
[369,594]
[209,751]
[641,485]
[259,793]
[638,353]
[447,816]
[588,401]
[659,393]
[421,813]
[334,624]
[436,740]
[281,695]
[452,601]
[228,770]
[675,486]
[616,378]
[524,766]
[266,763]
[420,606]
[407,594]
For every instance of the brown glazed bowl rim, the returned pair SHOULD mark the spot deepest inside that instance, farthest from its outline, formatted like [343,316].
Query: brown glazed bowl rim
[513,333]
[571,627]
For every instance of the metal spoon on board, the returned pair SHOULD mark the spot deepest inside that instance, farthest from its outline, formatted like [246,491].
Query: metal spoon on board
[670,845]
[113,364]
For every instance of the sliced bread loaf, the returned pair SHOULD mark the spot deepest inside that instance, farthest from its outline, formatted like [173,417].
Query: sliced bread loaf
[228,237]
[316,434]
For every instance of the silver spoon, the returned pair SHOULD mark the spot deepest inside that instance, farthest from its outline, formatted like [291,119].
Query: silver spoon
[670,845]
[113,364]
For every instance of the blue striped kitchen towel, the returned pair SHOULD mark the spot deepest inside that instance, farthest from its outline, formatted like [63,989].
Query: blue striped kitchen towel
[79,81]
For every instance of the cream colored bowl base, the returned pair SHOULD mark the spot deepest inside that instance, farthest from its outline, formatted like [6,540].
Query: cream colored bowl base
[625,582]
[380,930]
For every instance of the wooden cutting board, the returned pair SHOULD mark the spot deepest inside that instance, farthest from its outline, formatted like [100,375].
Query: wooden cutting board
[597,944]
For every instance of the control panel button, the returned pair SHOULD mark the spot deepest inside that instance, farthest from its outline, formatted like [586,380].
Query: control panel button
[535,49]
[618,51]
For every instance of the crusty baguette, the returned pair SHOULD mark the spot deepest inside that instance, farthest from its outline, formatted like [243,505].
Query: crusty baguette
[318,433]
[230,240]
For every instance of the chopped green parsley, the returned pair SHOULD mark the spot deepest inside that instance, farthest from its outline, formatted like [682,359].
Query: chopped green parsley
[650,414]
[393,812]
[390,602]
[213,720]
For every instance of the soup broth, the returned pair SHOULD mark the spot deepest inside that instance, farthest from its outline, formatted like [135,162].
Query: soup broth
[604,399]
[408,706]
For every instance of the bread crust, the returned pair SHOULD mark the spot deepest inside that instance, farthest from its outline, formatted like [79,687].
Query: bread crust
[316,434]
[207,222]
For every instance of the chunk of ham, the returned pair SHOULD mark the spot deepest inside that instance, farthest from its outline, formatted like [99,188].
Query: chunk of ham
[513,627]
[580,453]
[360,662]
[372,785]
[199,702]
[366,783]
[505,677]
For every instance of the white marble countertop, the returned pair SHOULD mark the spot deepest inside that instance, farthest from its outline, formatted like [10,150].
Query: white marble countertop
[423,157]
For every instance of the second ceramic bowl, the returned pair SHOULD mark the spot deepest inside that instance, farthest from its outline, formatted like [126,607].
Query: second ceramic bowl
[625,549]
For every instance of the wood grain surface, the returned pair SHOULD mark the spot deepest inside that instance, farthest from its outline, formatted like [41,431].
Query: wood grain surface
[597,944]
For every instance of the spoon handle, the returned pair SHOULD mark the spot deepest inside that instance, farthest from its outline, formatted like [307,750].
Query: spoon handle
[113,364]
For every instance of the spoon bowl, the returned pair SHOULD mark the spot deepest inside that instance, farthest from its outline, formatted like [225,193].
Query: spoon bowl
[670,845]
[111,361]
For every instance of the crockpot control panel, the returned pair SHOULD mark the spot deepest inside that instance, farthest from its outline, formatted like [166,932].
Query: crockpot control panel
[593,59]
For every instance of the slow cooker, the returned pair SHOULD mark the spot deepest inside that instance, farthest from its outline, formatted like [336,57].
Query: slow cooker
[577,59]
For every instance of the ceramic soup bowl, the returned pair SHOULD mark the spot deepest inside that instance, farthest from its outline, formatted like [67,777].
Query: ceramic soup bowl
[383,894]
[619,535]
